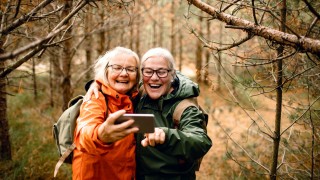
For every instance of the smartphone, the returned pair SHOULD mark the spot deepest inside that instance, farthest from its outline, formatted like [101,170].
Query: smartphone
[145,122]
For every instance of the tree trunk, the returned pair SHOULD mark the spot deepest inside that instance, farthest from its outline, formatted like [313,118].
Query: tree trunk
[199,53]
[277,137]
[66,61]
[154,27]
[88,47]
[102,37]
[206,72]
[219,60]
[173,52]
[5,147]
[180,51]
[35,91]
[51,79]
[131,35]
[160,27]
[138,34]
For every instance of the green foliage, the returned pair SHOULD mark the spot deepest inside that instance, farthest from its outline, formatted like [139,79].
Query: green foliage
[33,148]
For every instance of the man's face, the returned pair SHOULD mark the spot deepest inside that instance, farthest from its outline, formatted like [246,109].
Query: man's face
[154,85]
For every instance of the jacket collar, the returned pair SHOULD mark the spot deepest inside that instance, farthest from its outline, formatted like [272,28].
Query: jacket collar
[117,101]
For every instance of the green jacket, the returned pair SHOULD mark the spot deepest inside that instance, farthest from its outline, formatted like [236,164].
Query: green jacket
[175,159]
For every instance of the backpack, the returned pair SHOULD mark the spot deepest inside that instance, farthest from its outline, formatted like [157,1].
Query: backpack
[185,103]
[63,131]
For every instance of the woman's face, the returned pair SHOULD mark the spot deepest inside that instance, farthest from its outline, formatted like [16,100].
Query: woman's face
[122,80]
[156,86]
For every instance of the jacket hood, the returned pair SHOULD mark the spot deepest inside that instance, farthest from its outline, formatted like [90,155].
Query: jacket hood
[184,88]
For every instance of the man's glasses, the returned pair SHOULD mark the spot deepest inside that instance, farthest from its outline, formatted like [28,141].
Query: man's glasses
[118,69]
[161,73]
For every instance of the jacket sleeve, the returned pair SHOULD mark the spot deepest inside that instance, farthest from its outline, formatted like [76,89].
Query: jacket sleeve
[92,115]
[190,140]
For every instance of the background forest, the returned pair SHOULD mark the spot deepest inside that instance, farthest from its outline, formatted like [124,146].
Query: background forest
[256,61]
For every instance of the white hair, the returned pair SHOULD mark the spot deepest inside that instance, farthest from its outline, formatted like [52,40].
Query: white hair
[101,66]
[160,52]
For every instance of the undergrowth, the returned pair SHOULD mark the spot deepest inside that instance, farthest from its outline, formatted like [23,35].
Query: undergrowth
[34,153]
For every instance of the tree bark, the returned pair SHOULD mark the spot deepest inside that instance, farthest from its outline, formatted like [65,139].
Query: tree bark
[5,146]
[301,43]
[277,137]
[180,51]
[199,53]
[207,57]
[34,77]
[66,61]
[88,44]
[102,36]
[173,51]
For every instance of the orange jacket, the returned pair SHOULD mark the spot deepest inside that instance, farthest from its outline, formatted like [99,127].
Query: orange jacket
[94,159]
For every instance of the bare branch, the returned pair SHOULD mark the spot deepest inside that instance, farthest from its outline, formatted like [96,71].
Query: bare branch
[24,18]
[78,7]
[301,43]
[311,26]
[246,152]
[312,9]
[15,53]
[37,48]
[254,13]
[231,4]
[210,46]
[295,121]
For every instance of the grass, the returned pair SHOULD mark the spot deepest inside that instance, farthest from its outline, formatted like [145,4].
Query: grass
[34,153]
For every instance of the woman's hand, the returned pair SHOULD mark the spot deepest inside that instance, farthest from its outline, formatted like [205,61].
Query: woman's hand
[94,89]
[152,139]
[110,132]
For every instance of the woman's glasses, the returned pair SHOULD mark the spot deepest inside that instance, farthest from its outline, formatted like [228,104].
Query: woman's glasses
[161,73]
[118,69]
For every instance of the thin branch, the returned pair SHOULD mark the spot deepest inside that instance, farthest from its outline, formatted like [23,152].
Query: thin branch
[231,4]
[311,26]
[303,43]
[247,153]
[269,61]
[207,45]
[28,56]
[254,13]
[238,103]
[24,18]
[308,109]
[15,53]
[78,7]
[312,9]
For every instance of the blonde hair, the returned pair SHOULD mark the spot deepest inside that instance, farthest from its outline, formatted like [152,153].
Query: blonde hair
[101,66]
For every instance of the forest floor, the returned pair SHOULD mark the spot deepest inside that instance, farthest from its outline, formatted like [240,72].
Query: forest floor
[226,117]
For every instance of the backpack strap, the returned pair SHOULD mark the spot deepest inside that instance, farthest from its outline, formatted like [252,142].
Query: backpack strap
[63,158]
[181,107]
[70,149]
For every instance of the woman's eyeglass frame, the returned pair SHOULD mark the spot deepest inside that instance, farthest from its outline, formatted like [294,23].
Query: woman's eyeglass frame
[161,73]
[116,68]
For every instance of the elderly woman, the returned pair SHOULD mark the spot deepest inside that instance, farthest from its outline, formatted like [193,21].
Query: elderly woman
[170,152]
[105,150]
